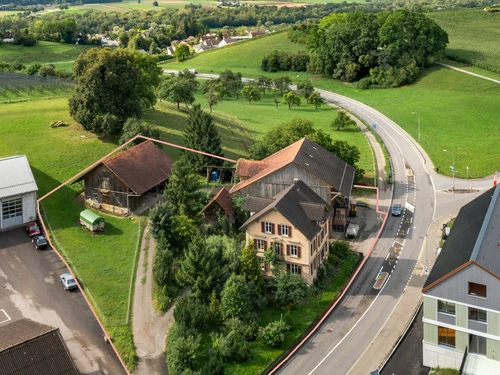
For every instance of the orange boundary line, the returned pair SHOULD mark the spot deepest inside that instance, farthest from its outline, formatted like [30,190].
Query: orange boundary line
[304,340]
[79,174]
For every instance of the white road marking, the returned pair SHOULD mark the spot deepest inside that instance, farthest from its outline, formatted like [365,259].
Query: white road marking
[347,334]
[376,277]
[7,317]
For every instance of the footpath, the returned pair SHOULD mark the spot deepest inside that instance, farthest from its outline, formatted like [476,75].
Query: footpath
[149,326]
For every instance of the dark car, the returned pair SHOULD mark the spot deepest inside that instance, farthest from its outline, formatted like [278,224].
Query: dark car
[33,229]
[396,210]
[40,242]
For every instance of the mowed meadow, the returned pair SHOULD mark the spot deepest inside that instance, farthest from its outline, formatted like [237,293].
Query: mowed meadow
[474,36]
[457,111]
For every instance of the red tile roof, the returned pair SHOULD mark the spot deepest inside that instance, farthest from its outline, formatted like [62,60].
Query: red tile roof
[224,201]
[309,156]
[141,167]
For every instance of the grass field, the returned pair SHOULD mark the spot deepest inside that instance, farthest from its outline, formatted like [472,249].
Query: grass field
[473,35]
[458,112]
[244,57]
[8,12]
[43,52]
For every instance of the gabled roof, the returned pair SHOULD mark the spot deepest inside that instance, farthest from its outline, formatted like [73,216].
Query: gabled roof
[256,204]
[307,155]
[223,199]
[473,238]
[16,177]
[141,167]
[301,206]
[28,347]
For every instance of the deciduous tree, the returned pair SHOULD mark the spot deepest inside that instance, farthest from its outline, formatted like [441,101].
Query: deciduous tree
[251,93]
[291,99]
[342,121]
[315,99]
[116,83]
[133,127]
[182,52]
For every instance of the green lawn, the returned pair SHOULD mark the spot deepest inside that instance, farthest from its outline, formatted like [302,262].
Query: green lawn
[458,112]
[42,52]
[8,12]
[473,35]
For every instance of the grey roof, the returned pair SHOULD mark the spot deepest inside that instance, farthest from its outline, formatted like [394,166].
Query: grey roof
[474,236]
[314,211]
[29,347]
[16,177]
[326,166]
[257,204]
[290,204]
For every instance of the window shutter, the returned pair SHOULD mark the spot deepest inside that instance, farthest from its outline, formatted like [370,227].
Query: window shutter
[265,266]
[255,243]
[279,230]
[300,270]
[272,228]
[262,227]
[287,249]
[288,268]
[298,251]
[289,231]
[265,245]
[281,249]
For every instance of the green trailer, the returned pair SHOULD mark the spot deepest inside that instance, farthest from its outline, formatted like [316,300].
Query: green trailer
[91,220]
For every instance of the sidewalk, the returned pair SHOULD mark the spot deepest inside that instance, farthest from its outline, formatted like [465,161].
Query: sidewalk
[388,337]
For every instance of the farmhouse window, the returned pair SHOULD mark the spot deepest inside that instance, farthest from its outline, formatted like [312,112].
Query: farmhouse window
[260,245]
[283,230]
[477,290]
[268,227]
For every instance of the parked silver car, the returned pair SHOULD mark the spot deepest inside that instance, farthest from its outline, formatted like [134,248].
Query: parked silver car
[68,281]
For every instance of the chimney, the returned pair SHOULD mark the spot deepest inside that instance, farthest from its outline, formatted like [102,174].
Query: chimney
[295,180]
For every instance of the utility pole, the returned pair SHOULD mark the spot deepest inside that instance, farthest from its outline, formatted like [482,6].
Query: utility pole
[452,168]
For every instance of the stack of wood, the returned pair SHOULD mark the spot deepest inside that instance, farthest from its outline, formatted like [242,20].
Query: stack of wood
[56,124]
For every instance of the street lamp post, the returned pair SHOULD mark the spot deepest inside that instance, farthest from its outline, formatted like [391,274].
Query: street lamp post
[415,113]
[452,168]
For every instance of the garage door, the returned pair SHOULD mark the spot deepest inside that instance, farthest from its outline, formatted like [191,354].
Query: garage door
[12,212]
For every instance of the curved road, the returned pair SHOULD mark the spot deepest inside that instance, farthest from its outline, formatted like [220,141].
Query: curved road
[345,335]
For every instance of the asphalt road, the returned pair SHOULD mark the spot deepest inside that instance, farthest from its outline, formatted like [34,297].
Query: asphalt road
[30,288]
[343,338]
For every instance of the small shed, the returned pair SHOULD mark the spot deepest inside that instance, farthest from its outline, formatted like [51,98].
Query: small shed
[91,220]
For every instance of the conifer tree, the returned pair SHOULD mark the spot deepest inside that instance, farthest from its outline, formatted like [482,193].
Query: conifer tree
[201,134]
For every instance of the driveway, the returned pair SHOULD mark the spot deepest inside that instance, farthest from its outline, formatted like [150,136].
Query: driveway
[30,288]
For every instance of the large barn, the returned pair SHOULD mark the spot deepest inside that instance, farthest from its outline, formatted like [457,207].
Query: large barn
[326,174]
[17,192]
[122,183]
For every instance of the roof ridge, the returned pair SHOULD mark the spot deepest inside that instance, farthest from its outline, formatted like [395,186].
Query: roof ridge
[484,226]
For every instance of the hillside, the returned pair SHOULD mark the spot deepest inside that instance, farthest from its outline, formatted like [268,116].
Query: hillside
[42,52]
[473,35]
[244,57]
[442,98]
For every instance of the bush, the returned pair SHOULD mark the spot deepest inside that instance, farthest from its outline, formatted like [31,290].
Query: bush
[288,320]
[364,83]
[274,333]
[290,290]
[33,69]
[181,351]
[214,366]
[232,346]
[285,61]
[155,3]
[191,313]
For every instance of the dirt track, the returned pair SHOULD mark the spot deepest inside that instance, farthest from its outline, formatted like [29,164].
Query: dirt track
[150,327]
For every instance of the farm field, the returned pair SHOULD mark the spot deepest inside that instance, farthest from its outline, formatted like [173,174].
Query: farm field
[43,52]
[473,35]
[441,96]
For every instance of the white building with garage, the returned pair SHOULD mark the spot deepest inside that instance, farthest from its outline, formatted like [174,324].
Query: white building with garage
[17,192]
